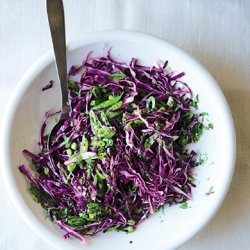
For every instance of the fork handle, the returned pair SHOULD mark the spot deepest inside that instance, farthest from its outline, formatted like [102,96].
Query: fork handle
[55,12]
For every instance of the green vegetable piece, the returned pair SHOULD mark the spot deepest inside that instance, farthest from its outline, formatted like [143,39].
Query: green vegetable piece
[80,181]
[84,145]
[150,141]
[95,180]
[202,159]
[184,205]
[107,103]
[88,174]
[116,106]
[94,142]
[191,178]
[168,68]
[101,144]
[100,176]
[209,126]
[94,123]
[170,102]
[46,170]
[93,208]
[127,126]
[74,146]
[35,193]
[133,190]
[93,103]
[91,216]
[108,141]
[131,222]
[105,119]
[75,221]
[210,191]
[112,114]
[102,155]
[97,92]
[83,215]
[105,132]
[138,122]
[67,145]
[129,229]
[117,76]
[71,167]
[197,132]
[184,140]
[150,104]
[162,108]
[78,158]
[204,114]
[65,138]
[194,103]
[73,87]
[69,152]
[101,189]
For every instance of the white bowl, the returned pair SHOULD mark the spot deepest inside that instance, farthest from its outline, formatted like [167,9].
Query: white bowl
[167,230]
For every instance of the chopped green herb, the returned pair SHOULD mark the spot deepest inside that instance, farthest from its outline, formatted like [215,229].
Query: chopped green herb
[194,103]
[75,221]
[170,102]
[184,205]
[210,191]
[183,140]
[202,159]
[209,126]
[191,178]
[197,132]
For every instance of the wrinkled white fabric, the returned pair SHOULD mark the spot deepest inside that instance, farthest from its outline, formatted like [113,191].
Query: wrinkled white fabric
[217,33]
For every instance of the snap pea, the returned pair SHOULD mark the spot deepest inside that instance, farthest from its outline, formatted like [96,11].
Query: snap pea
[107,103]
[116,106]
[84,145]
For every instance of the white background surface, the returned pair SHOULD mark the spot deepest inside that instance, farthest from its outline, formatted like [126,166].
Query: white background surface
[217,33]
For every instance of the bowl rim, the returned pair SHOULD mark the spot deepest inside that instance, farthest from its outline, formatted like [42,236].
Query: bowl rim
[44,61]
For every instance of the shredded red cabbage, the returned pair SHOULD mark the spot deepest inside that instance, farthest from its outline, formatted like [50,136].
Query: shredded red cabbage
[48,86]
[120,155]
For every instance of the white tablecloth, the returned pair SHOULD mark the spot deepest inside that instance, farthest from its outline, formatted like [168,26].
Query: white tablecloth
[216,32]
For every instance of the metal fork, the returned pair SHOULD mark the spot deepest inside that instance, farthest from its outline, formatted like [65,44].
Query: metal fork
[55,12]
